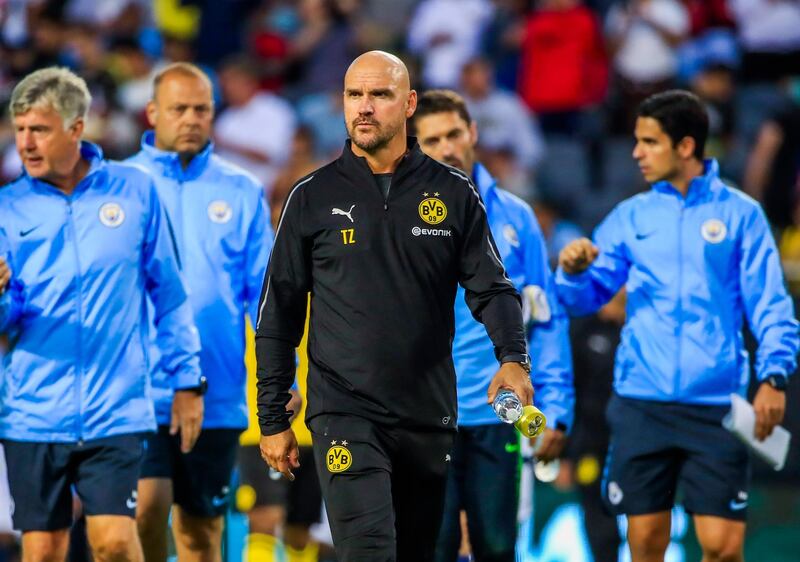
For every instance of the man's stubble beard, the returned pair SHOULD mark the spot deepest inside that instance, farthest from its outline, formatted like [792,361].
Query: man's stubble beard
[378,141]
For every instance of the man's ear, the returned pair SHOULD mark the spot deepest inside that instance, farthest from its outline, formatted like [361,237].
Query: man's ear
[411,104]
[686,147]
[473,131]
[152,113]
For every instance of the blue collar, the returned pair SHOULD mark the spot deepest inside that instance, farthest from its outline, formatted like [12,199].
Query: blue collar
[171,162]
[90,152]
[483,180]
[699,187]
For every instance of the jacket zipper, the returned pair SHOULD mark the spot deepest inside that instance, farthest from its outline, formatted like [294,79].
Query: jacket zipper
[79,365]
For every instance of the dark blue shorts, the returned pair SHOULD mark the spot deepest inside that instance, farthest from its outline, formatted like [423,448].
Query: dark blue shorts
[200,478]
[658,448]
[103,472]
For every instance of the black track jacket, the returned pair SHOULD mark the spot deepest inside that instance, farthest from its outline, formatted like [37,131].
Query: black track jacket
[382,274]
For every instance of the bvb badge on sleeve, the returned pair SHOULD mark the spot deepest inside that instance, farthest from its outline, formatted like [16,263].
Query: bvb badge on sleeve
[338,458]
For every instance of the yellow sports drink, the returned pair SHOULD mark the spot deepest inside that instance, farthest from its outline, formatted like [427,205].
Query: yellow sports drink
[532,422]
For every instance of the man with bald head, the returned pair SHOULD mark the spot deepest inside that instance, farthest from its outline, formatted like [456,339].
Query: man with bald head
[219,217]
[380,238]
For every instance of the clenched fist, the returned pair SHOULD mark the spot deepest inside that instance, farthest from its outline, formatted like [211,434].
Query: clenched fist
[5,274]
[576,256]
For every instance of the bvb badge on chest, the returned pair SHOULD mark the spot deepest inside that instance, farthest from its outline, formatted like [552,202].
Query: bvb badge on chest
[432,210]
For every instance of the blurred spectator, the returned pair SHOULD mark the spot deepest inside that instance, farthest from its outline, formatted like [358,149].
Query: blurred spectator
[708,14]
[384,22]
[773,168]
[273,26]
[175,19]
[133,69]
[502,40]
[445,34]
[563,64]
[789,246]
[221,31]
[255,129]
[558,230]
[769,32]
[324,46]
[501,117]
[323,114]
[643,36]
[301,163]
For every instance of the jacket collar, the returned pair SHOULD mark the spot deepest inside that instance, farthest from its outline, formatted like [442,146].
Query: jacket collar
[90,152]
[699,188]
[486,184]
[170,162]
[352,164]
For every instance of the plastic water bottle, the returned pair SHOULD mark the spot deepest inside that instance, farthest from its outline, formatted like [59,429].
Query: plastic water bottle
[507,406]
[528,420]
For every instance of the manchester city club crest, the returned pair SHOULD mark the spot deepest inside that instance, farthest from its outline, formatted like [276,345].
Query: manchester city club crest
[219,211]
[713,231]
[111,215]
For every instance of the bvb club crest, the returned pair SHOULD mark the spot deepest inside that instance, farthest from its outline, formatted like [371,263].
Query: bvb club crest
[219,211]
[111,215]
[338,458]
[432,210]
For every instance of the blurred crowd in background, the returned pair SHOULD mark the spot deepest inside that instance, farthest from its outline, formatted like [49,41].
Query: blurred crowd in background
[552,84]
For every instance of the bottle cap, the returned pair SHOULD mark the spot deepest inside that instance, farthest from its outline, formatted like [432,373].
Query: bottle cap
[532,421]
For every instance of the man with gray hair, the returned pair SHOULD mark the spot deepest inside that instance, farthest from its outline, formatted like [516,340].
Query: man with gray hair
[83,243]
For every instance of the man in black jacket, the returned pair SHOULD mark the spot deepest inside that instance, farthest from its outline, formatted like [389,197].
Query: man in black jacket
[381,237]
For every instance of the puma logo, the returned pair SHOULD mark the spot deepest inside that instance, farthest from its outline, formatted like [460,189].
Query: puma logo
[347,214]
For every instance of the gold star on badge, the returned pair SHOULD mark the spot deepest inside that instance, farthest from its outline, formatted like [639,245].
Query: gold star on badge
[436,194]
[344,443]
[333,442]
[424,194]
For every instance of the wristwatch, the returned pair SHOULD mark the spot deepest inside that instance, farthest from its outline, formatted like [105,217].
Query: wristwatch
[523,359]
[778,382]
[201,388]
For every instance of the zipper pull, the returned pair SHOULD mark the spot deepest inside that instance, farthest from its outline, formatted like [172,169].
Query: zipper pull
[385,206]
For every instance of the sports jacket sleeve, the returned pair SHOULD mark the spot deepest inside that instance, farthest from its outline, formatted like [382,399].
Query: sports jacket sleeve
[176,335]
[548,339]
[489,293]
[281,318]
[12,298]
[259,244]
[769,310]
[588,291]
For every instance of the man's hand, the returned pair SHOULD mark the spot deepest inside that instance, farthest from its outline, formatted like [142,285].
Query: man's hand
[295,404]
[5,274]
[576,256]
[550,444]
[187,417]
[513,377]
[770,405]
[280,452]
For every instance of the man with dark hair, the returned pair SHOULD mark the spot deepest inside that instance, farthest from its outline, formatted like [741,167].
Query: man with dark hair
[696,257]
[381,238]
[484,476]
[224,236]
